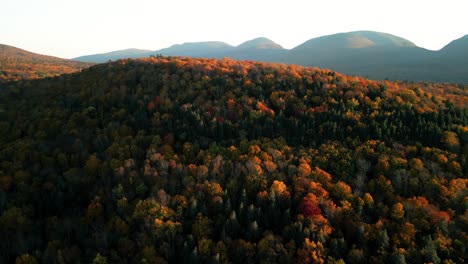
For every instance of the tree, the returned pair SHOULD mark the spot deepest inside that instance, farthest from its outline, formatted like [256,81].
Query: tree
[450,140]
[398,257]
[242,251]
[279,189]
[99,259]
[26,259]
[342,191]
[92,165]
[397,211]
[405,236]
[311,252]
[303,170]
[271,249]
[309,206]
[202,227]
[430,251]
[383,240]
[355,255]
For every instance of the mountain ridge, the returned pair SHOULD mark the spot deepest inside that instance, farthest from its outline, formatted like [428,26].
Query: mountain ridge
[351,33]
[371,54]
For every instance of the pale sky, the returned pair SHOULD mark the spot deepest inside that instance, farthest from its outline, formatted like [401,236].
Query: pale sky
[70,28]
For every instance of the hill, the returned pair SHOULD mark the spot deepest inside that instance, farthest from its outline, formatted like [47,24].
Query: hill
[447,64]
[208,49]
[17,64]
[355,40]
[381,56]
[364,53]
[259,43]
[181,160]
[196,49]
[114,55]
[457,48]
[258,49]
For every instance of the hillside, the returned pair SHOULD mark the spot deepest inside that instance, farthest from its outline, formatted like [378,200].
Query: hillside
[180,160]
[457,48]
[17,64]
[364,53]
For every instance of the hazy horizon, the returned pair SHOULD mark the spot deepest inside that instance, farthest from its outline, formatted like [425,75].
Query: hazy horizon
[78,28]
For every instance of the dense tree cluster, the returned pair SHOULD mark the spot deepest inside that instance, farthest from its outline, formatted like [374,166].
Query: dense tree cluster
[218,161]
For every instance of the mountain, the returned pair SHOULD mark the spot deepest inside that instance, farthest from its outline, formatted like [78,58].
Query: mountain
[366,53]
[258,49]
[457,45]
[456,48]
[259,43]
[209,49]
[114,55]
[448,64]
[355,40]
[189,160]
[382,56]
[17,64]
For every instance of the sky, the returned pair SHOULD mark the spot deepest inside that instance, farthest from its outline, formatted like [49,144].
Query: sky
[72,28]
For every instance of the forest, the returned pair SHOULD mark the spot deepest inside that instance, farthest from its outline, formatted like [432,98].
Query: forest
[17,64]
[182,160]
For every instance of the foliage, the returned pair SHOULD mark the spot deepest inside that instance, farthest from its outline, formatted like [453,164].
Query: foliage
[17,64]
[217,161]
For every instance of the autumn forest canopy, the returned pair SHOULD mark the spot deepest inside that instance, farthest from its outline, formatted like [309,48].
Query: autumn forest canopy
[17,64]
[182,160]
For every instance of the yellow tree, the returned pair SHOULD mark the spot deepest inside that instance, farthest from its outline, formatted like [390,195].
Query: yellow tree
[450,140]
[311,252]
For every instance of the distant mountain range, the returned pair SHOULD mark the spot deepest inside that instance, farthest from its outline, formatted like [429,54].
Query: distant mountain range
[367,53]
[114,55]
[17,64]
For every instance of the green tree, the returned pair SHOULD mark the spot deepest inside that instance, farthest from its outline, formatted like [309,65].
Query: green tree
[98,259]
